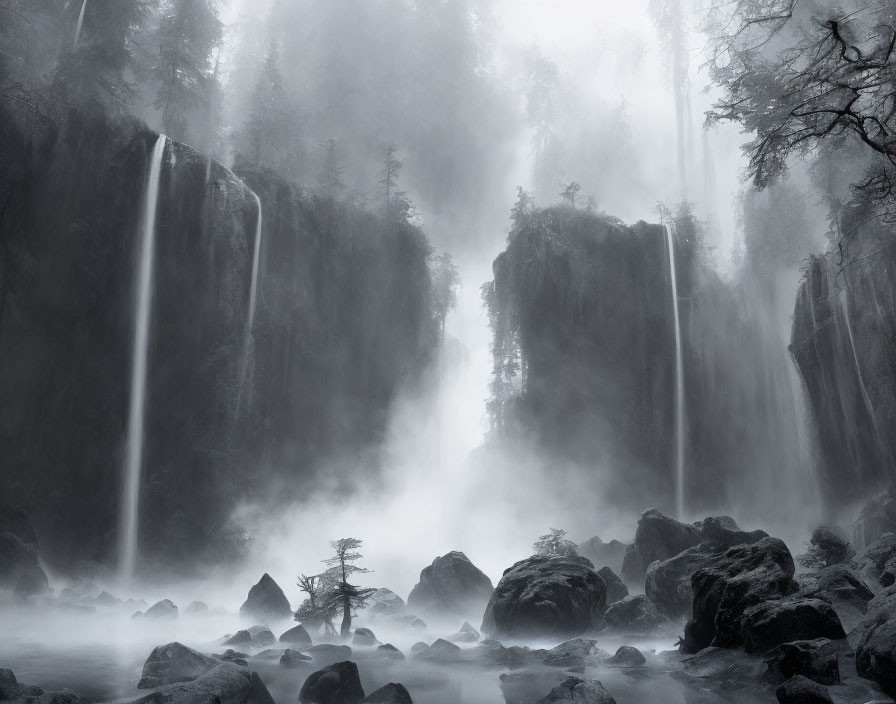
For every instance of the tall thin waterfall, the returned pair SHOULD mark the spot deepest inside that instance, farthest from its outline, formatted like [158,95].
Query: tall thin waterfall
[253,288]
[80,23]
[134,456]
[679,384]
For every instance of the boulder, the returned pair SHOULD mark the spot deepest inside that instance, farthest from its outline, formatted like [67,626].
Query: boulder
[616,589]
[659,537]
[546,596]
[772,623]
[12,690]
[384,602]
[466,634]
[633,614]
[605,554]
[338,683]
[668,582]
[391,693]
[172,663]
[742,577]
[293,658]
[266,601]
[327,653]
[389,652]
[15,522]
[876,651]
[451,586]
[33,582]
[874,560]
[234,656]
[262,638]
[364,638]
[877,517]
[627,656]
[108,600]
[419,648]
[443,651]
[801,690]
[815,659]
[16,558]
[841,588]
[224,684]
[239,638]
[296,635]
[197,607]
[576,691]
[163,609]
[828,546]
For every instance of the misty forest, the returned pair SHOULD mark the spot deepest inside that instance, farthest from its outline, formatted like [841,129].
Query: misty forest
[448,351]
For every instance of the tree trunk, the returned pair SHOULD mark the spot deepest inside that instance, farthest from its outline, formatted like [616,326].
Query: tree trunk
[346,630]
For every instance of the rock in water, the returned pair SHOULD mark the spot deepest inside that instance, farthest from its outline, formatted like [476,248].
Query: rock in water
[876,651]
[772,623]
[451,586]
[815,659]
[576,691]
[266,601]
[32,583]
[742,577]
[338,683]
[627,656]
[161,610]
[226,683]
[837,585]
[616,589]
[546,596]
[392,693]
[801,690]
[297,635]
[293,658]
[168,664]
[364,638]
[633,614]
[659,537]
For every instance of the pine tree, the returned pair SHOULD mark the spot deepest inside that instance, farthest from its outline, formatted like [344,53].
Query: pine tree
[266,135]
[333,185]
[554,543]
[343,594]
[395,200]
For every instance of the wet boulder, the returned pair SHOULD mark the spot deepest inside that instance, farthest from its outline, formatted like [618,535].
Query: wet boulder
[633,614]
[164,609]
[802,690]
[668,582]
[262,638]
[576,691]
[233,656]
[451,586]
[338,683]
[546,596]
[627,656]
[742,577]
[772,623]
[659,537]
[876,557]
[293,658]
[391,693]
[239,638]
[33,582]
[616,588]
[841,587]
[876,651]
[171,663]
[227,682]
[266,601]
[815,659]
[297,635]
[364,638]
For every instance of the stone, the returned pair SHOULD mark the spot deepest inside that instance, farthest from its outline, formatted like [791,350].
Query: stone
[266,601]
[108,600]
[801,690]
[841,588]
[391,693]
[364,638]
[296,635]
[443,651]
[451,586]
[815,659]
[616,589]
[876,556]
[338,683]
[163,609]
[633,614]
[668,582]
[576,691]
[226,683]
[742,577]
[628,656]
[466,634]
[239,638]
[16,558]
[235,656]
[828,546]
[172,663]
[385,602]
[293,658]
[659,537]
[544,596]
[33,582]
[262,638]
[390,653]
[876,650]
[772,623]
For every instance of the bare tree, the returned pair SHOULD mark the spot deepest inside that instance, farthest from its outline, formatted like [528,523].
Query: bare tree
[317,610]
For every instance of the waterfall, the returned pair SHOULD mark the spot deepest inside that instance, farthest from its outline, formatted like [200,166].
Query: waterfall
[679,384]
[253,288]
[80,22]
[134,453]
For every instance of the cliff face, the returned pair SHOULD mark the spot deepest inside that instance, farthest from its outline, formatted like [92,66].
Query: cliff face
[844,343]
[343,319]
[583,305]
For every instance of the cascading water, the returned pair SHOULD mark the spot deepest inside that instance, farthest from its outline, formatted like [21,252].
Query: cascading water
[679,383]
[134,453]
[253,287]
[80,23]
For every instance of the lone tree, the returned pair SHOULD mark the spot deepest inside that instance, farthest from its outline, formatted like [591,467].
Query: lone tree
[554,543]
[800,75]
[318,609]
[569,193]
[395,200]
[343,594]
